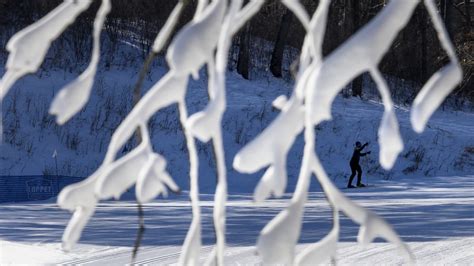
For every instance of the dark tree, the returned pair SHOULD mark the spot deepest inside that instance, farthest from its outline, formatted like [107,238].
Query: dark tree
[244,46]
[354,11]
[422,19]
[278,50]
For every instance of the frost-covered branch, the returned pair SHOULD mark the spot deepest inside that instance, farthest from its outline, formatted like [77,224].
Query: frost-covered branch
[29,46]
[441,83]
[72,98]
[186,55]
[318,83]
[206,125]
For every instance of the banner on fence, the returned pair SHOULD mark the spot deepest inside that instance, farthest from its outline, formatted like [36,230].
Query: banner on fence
[31,188]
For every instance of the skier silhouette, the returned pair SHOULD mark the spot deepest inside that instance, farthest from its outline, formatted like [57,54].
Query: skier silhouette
[354,163]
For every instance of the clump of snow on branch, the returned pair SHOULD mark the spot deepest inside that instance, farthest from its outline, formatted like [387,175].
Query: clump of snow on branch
[205,40]
[75,95]
[29,46]
[441,83]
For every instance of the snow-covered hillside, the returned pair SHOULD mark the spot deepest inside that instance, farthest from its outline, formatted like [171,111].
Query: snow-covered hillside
[31,135]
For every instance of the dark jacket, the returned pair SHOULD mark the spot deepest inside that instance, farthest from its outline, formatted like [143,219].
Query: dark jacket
[357,154]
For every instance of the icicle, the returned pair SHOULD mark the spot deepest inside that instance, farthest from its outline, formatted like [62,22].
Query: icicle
[29,46]
[72,98]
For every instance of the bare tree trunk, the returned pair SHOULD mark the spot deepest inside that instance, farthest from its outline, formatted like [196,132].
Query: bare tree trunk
[467,8]
[354,11]
[244,59]
[278,50]
[442,9]
[423,44]
[449,18]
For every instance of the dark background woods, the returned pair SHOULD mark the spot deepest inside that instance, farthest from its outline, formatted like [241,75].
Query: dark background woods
[415,55]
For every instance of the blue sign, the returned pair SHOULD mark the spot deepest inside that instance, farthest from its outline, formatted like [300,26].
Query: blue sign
[30,188]
[39,189]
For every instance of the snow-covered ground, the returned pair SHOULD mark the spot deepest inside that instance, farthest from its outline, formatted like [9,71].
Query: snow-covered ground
[435,216]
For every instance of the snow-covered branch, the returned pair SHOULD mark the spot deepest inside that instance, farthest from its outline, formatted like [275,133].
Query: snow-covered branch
[29,46]
[318,83]
[72,98]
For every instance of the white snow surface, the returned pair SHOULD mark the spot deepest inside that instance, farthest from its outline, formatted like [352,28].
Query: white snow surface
[433,215]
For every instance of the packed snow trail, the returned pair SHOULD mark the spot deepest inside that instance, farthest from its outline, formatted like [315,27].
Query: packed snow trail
[434,215]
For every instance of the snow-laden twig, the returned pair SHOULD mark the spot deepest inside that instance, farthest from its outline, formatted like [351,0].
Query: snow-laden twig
[206,125]
[317,85]
[441,83]
[192,243]
[278,239]
[362,52]
[29,46]
[168,28]
[195,43]
[245,14]
[114,177]
[72,98]
[170,89]
[390,141]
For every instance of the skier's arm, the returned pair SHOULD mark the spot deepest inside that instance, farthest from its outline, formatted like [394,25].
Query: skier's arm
[363,146]
[364,154]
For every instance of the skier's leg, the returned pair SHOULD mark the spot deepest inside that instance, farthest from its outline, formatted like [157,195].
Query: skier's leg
[359,175]
[353,169]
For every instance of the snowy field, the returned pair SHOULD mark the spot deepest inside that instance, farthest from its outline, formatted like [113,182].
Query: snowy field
[434,215]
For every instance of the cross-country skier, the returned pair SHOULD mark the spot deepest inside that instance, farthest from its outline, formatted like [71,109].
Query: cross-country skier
[355,167]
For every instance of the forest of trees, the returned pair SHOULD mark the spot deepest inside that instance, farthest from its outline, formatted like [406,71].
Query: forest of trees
[415,55]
